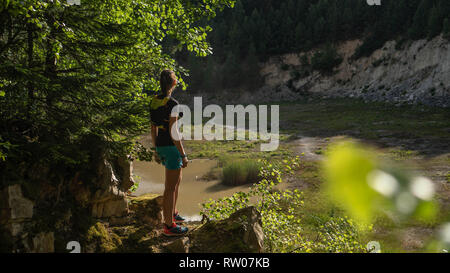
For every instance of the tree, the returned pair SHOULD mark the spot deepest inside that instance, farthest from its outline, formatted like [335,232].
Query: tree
[446,28]
[299,34]
[209,75]
[420,20]
[231,71]
[252,76]
[70,72]
[434,23]
[325,60]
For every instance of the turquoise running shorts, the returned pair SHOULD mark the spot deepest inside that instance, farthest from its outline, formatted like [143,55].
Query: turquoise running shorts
[170,157]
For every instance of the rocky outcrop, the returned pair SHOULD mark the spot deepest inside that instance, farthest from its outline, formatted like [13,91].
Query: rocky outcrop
[412,73]
[16,216]
[15,209]
[240,233]
[38,221]
[102,218]
[416,72]
[147,209]
[138,233]
[180,245]
[110,199]
[43,242]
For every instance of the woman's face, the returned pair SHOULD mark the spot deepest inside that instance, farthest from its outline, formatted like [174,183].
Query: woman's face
[175,81]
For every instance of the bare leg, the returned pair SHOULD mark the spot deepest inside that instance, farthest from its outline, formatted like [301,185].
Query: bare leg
[176,191]
[172,179]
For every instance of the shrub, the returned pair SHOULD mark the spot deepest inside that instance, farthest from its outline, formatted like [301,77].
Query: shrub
[340,235]
[370,44]
[241,172]
[326,60]
[281,223]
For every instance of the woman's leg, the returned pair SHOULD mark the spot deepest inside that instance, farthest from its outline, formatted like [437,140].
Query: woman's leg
[172,179]
[176,191]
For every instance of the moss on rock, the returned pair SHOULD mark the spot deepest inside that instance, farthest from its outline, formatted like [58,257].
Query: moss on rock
[100,240]
[147,209]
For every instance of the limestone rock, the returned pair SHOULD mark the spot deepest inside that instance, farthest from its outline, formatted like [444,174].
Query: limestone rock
[21,207]
[180,245]
[125,169]
[80,191]
[415,74]
[240,233]
[115,208]
[110,200]
[15,209]
[147,208]
[43,243]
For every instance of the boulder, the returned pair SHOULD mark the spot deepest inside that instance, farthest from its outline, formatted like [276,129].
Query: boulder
[240,233]
[15,209]
[21,207]
[109,200]
[147,209]
[115,208]
[180,245]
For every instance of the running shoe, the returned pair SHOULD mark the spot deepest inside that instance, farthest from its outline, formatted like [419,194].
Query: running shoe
[177,218]
[175,230]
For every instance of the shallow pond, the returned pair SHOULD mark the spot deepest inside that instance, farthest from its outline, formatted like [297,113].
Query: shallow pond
[192,192]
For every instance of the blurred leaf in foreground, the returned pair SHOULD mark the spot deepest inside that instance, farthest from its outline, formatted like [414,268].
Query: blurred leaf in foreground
[346,171]
[363,184]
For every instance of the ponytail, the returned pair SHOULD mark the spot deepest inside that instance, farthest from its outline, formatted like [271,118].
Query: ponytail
[166,81]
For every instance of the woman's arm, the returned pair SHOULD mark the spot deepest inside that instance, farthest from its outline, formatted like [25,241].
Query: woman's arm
[154,134]
[176,137]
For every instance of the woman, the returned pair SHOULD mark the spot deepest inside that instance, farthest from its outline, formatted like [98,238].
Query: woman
[169,150]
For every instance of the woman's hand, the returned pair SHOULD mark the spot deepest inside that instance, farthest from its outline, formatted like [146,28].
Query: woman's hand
[185,162]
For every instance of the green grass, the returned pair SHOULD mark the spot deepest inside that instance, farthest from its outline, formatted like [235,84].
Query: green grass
[240,172]
[237,148]
[370,121]
[398,154]
[327,119]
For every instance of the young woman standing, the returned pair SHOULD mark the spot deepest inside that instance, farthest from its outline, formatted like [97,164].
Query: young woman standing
[169,150]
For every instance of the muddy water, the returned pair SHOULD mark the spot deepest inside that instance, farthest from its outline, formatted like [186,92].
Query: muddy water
[192,191]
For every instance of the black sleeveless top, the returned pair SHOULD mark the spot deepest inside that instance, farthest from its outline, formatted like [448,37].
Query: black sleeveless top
[160,111]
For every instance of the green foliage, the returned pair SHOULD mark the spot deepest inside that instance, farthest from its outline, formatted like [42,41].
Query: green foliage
[140,152]
[279,210]
[341,235]
[4,147]
[73,73]
[277,27]
[363,185]
[281,228]
[240,172]
[326,59]
[446,28]
[135,186]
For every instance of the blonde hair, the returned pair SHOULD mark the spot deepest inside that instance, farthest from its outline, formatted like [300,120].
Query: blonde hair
[167,81]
